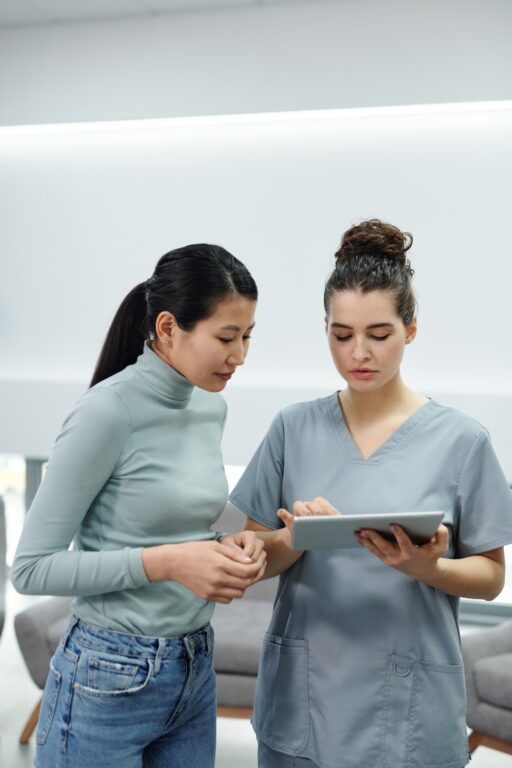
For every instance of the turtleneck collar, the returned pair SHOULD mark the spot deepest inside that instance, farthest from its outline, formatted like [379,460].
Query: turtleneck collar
[170,384]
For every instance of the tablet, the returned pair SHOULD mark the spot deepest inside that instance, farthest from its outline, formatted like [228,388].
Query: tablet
[337,531]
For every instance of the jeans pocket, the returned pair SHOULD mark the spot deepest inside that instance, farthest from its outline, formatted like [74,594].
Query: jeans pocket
[281,706]
[439,738]
[111,675]
[49,704]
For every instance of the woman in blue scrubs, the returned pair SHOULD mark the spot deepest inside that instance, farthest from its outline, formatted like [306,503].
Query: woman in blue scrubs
[361,666]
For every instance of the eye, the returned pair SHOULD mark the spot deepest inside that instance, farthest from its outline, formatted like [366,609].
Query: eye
[246,338]
[226,341]
[381,338]
[342,338]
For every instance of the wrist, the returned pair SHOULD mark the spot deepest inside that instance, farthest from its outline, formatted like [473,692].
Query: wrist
[284,538]
[159,562]
[432,575]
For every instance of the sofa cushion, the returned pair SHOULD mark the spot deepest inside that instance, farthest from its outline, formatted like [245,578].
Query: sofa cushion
[239,628]
[55,632]
[235,690]
[493,680]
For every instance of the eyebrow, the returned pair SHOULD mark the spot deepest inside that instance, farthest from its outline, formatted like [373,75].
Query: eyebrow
[373,325]
[235,327]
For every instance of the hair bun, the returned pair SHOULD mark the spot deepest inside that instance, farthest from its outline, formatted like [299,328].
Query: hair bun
[378,239]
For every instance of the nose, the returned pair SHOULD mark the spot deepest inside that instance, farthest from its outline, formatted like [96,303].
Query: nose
[237,354]
[360,351]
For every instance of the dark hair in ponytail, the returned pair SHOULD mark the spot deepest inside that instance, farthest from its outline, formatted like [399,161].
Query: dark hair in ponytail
[372,257]
[189,282]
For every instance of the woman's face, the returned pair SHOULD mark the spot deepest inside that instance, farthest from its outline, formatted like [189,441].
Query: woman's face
[210,353]
[366,337]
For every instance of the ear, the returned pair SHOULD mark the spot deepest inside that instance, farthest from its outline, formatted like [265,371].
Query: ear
[410,331]
[165,326]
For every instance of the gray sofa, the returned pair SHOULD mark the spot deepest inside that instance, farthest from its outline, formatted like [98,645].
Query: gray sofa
[488,668]
[238,627]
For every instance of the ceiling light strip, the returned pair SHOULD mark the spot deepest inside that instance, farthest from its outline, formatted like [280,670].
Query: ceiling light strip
[323,115]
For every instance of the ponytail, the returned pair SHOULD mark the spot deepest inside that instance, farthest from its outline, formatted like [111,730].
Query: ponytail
[125,338]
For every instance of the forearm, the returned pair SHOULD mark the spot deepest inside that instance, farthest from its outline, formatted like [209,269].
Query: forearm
[476,577]
[279,555]
[77,573]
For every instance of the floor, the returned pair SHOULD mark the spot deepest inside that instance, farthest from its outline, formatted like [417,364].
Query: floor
[236,742]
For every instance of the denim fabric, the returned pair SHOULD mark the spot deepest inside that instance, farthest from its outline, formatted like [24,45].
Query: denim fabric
[113,699]
[270,758]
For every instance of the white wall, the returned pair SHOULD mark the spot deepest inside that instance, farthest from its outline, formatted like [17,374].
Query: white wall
[85,216]
[319,55]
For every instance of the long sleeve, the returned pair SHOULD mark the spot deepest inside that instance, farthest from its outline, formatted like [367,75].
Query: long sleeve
[83,460]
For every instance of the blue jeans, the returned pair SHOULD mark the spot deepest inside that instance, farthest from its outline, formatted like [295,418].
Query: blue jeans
[113,699]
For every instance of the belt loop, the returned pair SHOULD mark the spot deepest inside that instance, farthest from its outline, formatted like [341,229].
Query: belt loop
[73,621]
[159,654]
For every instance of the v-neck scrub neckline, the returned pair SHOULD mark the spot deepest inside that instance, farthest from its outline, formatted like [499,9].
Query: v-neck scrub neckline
[396,439]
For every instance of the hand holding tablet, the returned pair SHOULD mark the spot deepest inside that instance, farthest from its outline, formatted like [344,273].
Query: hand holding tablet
[338,531]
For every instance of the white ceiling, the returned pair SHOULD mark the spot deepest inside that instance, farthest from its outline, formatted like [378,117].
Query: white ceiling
[23,12]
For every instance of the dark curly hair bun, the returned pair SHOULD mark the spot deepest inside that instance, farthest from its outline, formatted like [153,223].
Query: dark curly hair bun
[376,239]
[373,257]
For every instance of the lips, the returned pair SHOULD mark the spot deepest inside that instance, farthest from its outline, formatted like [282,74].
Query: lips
[363,373]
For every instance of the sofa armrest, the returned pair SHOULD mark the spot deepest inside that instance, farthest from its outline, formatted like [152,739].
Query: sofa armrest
[487,642]
[480,644]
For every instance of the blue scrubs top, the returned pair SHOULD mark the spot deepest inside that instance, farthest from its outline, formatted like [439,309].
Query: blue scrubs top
[361,665]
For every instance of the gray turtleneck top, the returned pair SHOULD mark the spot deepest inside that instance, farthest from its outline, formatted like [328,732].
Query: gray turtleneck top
[138,463]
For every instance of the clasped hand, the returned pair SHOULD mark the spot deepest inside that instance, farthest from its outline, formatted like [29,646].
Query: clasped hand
[221,571]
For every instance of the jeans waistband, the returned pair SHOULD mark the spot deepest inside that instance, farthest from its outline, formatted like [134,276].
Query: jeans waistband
[140,646]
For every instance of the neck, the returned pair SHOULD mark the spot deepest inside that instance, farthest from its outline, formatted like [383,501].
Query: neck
[392,398]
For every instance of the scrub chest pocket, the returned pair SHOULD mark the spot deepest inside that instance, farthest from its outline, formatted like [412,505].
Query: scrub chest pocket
[281,706]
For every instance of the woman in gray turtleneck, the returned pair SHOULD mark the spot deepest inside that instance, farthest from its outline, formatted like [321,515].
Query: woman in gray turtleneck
[136,478]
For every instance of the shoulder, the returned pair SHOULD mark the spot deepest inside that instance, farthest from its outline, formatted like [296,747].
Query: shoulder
[299,414]
[101,407]
[457,424]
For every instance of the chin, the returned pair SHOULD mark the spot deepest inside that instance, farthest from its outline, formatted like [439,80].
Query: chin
[364,386]
[215,386]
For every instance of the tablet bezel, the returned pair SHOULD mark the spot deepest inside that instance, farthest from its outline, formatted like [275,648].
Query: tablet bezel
[337,531]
